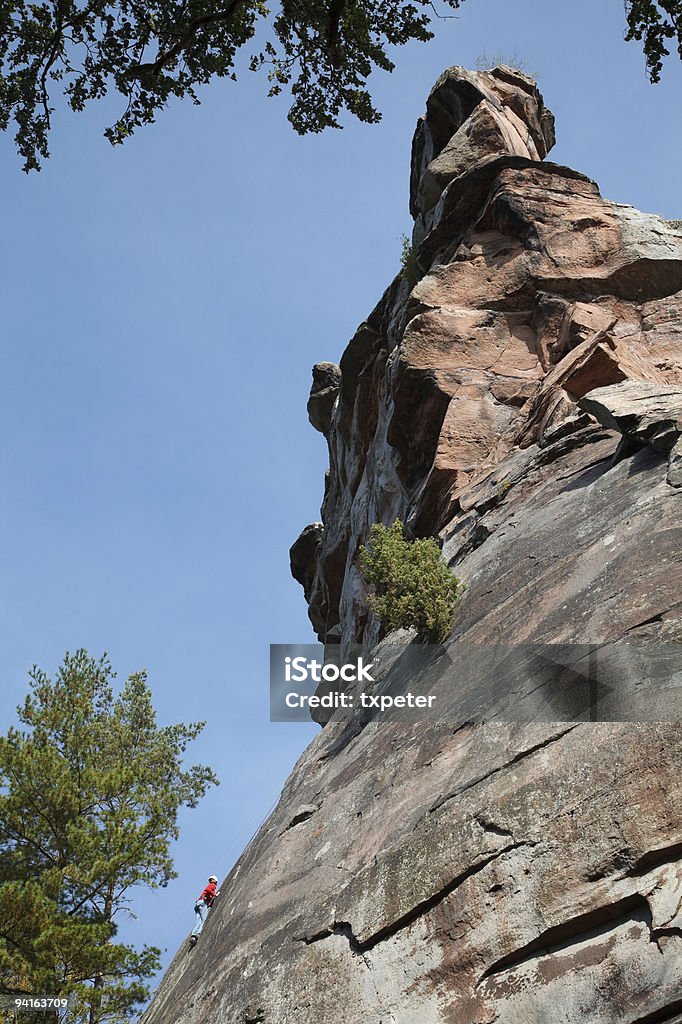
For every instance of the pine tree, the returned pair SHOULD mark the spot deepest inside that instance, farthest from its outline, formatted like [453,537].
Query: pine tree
[90,789]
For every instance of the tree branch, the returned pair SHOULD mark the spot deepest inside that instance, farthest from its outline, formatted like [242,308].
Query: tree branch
[442,17]
[55,46]
[335,15]
[169,55]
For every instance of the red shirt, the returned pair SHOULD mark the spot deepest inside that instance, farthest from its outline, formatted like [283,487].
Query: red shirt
[208,895]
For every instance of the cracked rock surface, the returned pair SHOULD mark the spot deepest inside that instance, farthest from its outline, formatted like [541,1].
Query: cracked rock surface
[513,872]
[453,874]
[644,414]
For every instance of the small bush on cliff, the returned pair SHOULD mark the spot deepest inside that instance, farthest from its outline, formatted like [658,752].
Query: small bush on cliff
[411,583]
[410,271]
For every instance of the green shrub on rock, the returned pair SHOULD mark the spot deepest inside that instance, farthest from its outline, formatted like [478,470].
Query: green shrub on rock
[411,585]
[410,271]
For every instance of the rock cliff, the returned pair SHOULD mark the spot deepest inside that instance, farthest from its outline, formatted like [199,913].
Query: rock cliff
[517,392]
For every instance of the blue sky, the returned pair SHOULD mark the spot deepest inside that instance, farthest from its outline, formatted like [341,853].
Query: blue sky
[161,306]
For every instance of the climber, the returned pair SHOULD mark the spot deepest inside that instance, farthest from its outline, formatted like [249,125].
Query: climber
[202,906]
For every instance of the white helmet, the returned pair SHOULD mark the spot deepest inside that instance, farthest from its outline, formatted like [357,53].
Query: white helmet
[212,878]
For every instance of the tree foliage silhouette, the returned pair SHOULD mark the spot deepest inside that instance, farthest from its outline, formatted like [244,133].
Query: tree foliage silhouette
[323,51]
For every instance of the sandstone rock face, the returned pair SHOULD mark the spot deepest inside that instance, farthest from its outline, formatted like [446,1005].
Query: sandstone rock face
[521,402]
[534,291]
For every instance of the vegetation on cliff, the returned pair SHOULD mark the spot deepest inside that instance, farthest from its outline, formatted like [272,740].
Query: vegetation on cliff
[90,791]
[412,586]
[409,266]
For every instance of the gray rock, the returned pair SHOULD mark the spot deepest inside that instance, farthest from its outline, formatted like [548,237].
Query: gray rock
[455,872]
[675,465]
[303,555]
[648,413]
[323,394]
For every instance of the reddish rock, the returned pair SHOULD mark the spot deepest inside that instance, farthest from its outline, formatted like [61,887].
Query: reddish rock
[534,291]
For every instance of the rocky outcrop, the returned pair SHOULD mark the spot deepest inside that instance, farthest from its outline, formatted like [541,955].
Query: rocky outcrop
[303,558]
[323,395]
[533,290]
[517,856]
[644,414]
